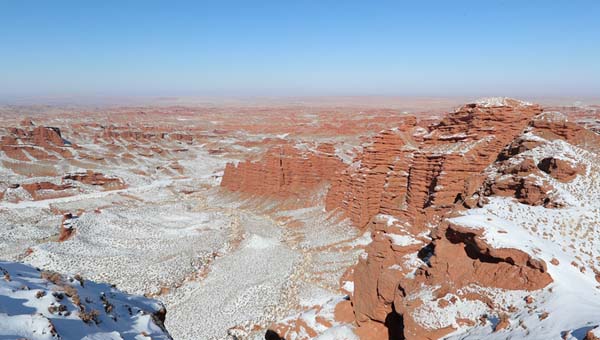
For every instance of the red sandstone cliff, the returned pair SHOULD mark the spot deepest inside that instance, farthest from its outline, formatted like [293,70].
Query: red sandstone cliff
[404,184]
[39,142]
[408,170]
[283,171]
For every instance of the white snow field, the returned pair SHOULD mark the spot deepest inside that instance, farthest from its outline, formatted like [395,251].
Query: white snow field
[570,306]
[223,266]
[42,306]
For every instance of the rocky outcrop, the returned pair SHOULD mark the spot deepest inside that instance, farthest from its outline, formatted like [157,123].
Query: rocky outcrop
[461,256]
[384,283]
[143,134]
[283,171]
[555,125]
[527,190]
[358,190]
[45,136]
[98,179]
[409,170]
[408,180]
[67,230]
[45,190]
[520,180]
[443,173]
[41,143]
[517,146]
[93,310]
[559,169]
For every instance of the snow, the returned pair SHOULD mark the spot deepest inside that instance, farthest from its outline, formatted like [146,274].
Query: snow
[35,327]
[569,235]
[402,240]
[348,286]
[363,240]
[388,219]
[431,316]
[258,242]
[138,248]
[338,333]
[499,101]
[25,298]
[552,116]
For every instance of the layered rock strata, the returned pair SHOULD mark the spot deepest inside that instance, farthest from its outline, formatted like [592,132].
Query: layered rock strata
[283,171]
[405,185]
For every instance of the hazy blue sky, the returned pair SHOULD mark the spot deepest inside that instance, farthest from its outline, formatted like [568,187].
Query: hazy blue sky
[299,47]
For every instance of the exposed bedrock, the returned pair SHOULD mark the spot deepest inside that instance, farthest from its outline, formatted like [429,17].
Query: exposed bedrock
[456,257]
[559,169]
[40,143]
[96,178]
[554,125]
[409,169]
[283,171]
[143,134]
[403,186]
[515,182]
[45,190]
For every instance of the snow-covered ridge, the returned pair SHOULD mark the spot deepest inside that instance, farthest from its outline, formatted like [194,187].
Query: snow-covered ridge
[41,305]
[501,101]
[552,116]
[566,239]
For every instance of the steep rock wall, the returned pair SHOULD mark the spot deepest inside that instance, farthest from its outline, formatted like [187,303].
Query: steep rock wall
[436,168]
[284,170]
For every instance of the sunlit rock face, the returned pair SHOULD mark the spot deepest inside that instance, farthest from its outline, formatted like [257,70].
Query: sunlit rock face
[432,269]
[409,170]
[284,171]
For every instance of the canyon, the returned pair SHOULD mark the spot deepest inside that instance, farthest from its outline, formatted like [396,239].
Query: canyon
[425,275]
[417,219]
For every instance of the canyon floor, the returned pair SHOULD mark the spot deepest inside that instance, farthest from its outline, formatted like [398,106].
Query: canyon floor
[403,218]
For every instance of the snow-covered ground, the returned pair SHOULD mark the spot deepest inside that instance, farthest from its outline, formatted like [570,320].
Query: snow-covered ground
[565,238]
[40,305]
[219,264]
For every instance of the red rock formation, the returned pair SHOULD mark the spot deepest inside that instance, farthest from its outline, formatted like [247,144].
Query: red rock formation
[42,136]
[144,134]
[554,125]
[96,178]
[45,190]
[526,190]
[27,122]
[559,169]
[517,146]
[458,258]
[461,256]
[445,172]
[66,228]
[514,180]
[181,137]
[358,190]
[14,152]
[36,143]
[284,170]
[407,180]
[397,176]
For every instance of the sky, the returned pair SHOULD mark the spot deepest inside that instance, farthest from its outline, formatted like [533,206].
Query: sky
[292,48]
